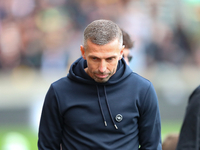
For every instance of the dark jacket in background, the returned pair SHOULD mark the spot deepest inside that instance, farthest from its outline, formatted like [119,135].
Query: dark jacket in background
[189,138]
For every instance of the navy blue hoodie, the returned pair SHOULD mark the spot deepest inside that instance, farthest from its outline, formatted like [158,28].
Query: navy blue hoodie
[81,114]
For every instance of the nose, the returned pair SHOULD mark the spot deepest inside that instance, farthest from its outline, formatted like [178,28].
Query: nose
[102,66]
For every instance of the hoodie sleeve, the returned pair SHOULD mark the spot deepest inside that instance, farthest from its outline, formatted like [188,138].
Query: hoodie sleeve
[50,129]
[149,122]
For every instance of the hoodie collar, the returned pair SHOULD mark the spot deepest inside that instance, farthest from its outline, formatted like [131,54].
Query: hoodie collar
[78,73]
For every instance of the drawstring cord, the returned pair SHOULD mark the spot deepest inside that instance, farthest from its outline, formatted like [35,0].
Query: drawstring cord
[109,108]
[101,107]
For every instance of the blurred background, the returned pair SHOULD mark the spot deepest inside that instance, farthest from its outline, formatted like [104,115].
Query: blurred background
[39,39]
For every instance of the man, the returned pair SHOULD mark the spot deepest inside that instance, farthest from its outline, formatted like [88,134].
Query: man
[128,43]
[189,138]
[101,104]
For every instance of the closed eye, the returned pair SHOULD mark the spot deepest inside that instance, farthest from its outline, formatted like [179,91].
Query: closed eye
[110,58]
[94,58]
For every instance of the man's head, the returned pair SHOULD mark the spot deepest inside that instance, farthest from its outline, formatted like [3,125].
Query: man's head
[102,32]
[128,43]
[170,142]
[102,49]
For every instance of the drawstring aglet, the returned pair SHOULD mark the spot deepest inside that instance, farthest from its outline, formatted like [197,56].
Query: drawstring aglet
[105,123]
[115,126]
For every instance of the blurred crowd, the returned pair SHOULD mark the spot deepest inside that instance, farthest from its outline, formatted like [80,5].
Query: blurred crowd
[46,34]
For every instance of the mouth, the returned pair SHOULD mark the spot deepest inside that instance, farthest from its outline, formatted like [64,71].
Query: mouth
[101,75]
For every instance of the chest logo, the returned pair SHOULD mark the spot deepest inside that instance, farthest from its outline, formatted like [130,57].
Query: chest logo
[118,117]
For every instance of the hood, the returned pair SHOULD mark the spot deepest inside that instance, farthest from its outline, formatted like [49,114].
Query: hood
[77,72]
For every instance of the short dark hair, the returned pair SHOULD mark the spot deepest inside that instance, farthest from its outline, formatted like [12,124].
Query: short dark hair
[102,32]
[127,42]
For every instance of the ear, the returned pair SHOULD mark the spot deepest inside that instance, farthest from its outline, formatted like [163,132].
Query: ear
[121,52]
[82,52]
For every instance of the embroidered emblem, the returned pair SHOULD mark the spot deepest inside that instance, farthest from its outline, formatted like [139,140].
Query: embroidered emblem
[118,117]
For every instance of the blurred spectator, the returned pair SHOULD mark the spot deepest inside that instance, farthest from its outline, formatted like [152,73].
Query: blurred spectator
[196,55]
[26,23]
[181,38]
[54,25]
[165,46]
[22,8]
[128,43]
[78,13]
[135,20]
[165,50]
[170,141]
[54,56]
[10,44]
[32,44]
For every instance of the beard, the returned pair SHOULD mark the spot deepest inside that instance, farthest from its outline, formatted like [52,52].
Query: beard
[102,80]
[94,75]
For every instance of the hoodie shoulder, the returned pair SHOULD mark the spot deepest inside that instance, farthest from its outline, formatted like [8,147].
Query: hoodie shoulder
[139,79]
[60,82]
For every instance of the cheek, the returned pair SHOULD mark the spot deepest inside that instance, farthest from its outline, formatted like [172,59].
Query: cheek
[113,66]
[91,66]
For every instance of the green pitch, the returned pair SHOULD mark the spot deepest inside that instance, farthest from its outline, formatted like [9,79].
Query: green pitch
[12,135]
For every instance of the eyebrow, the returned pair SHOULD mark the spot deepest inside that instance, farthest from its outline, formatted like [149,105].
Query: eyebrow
[91,56]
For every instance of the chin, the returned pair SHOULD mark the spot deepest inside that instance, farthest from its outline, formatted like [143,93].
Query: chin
[101,80]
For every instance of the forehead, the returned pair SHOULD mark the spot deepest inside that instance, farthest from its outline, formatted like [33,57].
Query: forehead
[113,46]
